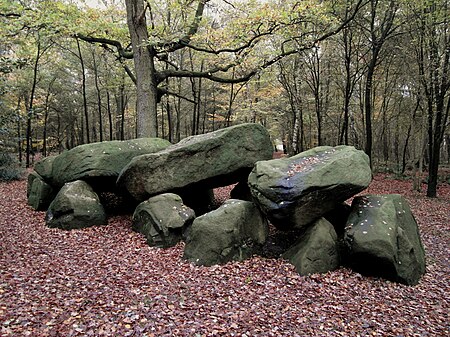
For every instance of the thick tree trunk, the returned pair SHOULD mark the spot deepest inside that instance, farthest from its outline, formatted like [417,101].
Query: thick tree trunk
[143,56]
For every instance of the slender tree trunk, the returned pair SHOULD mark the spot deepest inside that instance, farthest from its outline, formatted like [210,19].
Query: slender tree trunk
[30,104]
[368,107]
[99,97]
[46,113]
[83,88]
[19,128]
[110,118]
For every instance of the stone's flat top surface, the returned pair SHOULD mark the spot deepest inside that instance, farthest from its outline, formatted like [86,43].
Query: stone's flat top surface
[211,160]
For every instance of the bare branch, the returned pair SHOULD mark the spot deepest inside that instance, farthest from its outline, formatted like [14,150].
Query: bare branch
[10,15]
[122,51]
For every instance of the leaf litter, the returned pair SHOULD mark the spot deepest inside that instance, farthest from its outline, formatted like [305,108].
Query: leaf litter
[106,281]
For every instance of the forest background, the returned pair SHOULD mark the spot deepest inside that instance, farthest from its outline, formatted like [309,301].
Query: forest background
[369,73]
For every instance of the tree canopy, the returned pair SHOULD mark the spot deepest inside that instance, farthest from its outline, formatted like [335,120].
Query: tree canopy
[368,73]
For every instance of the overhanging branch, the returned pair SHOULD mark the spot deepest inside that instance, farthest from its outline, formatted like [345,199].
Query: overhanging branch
[122,51]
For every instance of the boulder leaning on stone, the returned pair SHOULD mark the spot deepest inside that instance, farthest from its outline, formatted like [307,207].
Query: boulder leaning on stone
[162,219]
[295,191]
[75,206]
[233,232]
[382,239]
[206,161]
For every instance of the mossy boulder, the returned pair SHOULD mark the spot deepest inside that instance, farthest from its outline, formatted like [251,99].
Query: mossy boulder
[99,164]
[382,239]
[233,232]
[162,219]
[41,194]
[75,206]
[293,192]
[206,161]
[316,251]
[44,167]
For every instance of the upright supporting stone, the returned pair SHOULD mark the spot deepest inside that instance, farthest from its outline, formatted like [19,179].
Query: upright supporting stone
[233,232]
[382,239]
[162,219]
[316,251]
[75,206]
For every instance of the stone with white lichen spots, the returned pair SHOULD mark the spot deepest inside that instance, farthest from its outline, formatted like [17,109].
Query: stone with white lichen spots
[382,239]
[293,192]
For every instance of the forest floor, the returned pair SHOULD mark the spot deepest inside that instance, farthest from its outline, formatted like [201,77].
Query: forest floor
[106,281]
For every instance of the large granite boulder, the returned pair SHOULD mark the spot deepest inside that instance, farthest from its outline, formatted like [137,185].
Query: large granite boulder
[99,164]
[295,191]
[316,251]
[44,167]
[163,219]
[75,206]
[41,194]
[382,239]
[233,232]
[206,161]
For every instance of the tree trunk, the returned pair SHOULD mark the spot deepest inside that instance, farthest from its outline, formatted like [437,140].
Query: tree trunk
[44,132]
[99,97]
[83,87]
[368,107]
[143,57]
[19,129]
[110,119]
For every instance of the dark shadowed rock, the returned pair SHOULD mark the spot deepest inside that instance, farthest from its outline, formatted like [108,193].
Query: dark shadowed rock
[41,194]
[338,217]
[99,164]
[206,161]
[233,232]
[382,239]
[200,200]
[75,206]
[241,191]
[162,219]
[295,191]
[316,251]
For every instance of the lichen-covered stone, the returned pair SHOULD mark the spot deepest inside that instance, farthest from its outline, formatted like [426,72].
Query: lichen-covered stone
[382,239]
[295,191]
[162,219]
[316,251]
[99,164]
[75,206]
[41,194]
[44,167]
[233,232]
[206,161]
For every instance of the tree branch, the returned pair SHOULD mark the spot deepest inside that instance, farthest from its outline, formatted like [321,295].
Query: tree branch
[10,15]
[193,28]
[122,51]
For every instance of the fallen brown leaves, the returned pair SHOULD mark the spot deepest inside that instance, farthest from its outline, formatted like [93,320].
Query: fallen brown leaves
[106,281]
